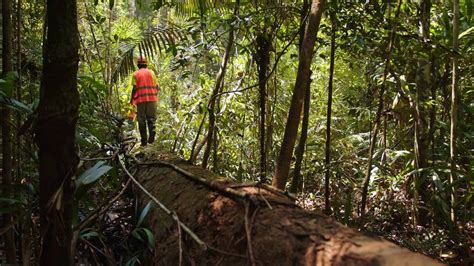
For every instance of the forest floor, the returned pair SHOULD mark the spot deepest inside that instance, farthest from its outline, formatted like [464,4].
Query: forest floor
[435,242]
[118,245]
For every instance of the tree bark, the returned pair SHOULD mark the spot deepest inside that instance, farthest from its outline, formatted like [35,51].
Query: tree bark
[238,231]
[55,132]
[263,60]
[296,182]
[454,112]
[302,78]
[7,162]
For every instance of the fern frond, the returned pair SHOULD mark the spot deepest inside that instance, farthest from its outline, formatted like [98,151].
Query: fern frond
[155,40]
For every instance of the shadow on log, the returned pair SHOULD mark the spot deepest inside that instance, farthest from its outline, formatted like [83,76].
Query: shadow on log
[262,228]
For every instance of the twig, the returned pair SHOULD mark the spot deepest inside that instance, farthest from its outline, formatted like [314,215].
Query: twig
[266,187]
[97,159]
[179,243]
[266,201]
[277,191]
[165,209]
[11,224]
[210,184]
[225,252]
[101,209]
[248,234]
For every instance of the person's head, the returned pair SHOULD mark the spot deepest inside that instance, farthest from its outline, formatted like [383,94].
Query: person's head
[141,62]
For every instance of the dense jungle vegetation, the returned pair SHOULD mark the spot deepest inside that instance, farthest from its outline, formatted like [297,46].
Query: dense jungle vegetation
[363,109]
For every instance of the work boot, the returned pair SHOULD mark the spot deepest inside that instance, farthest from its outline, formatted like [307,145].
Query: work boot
[143,135]
[151,139]
[151,130]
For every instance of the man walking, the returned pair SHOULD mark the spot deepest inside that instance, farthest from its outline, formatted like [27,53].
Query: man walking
[144,96]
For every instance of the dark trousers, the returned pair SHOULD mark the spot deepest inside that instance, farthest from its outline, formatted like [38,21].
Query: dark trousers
[146,114]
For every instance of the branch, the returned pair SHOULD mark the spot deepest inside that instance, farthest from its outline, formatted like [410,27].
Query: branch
[101,209]
[164,208]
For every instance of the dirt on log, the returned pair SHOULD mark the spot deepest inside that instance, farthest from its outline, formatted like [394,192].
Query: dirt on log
[262,228]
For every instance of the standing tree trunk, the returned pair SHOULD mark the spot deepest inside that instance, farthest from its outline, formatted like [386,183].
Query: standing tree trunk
[423,84]
[217,89]
[7,163]
[327,158]
[454,111]
[263,60]
[55,133]
[296,182]
[302,79]
[373,139]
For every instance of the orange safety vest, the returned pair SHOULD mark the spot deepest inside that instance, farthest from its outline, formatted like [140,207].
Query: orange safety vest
[147,90]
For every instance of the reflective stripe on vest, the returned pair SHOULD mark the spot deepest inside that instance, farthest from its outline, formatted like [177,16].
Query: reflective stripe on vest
[146,88]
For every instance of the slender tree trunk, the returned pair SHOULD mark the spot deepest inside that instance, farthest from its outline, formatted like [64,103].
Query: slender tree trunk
[18,85]
[373,139]
[55,133]
[7,163]
[423,84]
[303,75]
[327,160]
[194,154]
[454,112]
[296,182]
[215,92]
[432,129]
[263,60]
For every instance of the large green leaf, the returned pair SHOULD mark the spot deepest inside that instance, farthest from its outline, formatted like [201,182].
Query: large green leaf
[145,235]
[144,213]
[14,104]
[93,174]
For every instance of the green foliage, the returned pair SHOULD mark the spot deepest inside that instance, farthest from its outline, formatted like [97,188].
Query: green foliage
[92,174]
[184,43]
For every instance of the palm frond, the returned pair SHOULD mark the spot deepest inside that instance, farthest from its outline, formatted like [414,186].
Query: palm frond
[155,40]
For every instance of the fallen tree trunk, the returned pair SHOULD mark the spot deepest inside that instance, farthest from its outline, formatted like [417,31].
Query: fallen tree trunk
[249,225]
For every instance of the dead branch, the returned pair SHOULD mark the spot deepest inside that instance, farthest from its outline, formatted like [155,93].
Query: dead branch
[164,208]
[249,235]
[101,209]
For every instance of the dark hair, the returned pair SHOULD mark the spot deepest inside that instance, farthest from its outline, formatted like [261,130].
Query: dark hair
[142,65]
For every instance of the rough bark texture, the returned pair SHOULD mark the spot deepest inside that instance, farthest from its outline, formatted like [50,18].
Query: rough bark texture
[55,133]
[284,234]
[303,75]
